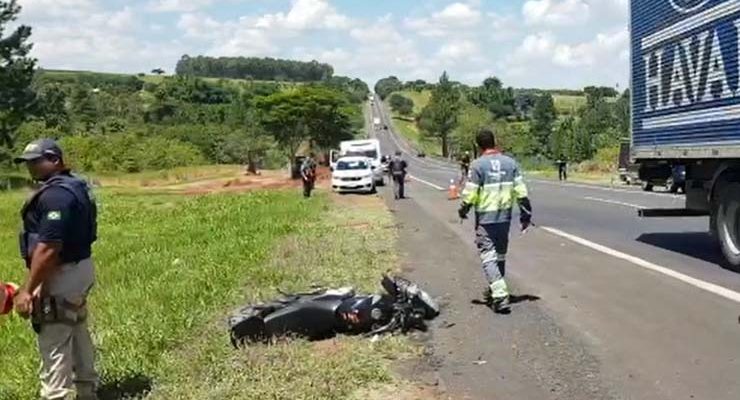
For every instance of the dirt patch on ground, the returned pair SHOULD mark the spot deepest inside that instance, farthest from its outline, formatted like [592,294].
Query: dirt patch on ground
[358,200]
[407,392]
[241,182]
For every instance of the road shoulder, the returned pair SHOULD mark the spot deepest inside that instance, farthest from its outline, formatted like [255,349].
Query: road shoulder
[472,353]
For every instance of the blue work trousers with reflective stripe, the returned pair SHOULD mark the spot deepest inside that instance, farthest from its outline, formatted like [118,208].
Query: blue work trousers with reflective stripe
[493,242]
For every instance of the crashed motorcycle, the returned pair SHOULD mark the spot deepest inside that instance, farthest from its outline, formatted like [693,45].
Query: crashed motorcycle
[324,313]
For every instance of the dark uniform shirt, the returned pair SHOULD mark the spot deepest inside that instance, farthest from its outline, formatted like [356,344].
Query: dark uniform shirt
[58,217]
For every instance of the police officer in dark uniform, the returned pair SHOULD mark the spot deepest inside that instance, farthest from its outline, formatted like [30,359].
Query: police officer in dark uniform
[397,170]
[59,228]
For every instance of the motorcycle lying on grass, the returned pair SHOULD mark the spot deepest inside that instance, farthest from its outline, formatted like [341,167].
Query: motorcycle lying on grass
[324,313]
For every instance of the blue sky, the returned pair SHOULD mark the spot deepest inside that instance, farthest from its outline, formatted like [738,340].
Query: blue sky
[527,43]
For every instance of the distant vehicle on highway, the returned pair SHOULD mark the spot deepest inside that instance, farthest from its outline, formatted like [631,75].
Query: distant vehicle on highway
[369,148]
[376,122]
[685,120]
[629,173]
[353,174]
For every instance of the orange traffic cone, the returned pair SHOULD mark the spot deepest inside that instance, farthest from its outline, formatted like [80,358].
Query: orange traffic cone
[452,192]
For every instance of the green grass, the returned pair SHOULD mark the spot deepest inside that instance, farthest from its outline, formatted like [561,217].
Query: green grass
[351,245]
[170,267]
[420,99]
[410,131]
[407,127]
[568,104]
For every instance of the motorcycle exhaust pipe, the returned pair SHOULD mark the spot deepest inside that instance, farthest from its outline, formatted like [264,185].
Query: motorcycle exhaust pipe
[7,292]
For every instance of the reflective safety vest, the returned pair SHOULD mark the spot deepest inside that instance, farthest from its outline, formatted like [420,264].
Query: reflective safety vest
[493,187]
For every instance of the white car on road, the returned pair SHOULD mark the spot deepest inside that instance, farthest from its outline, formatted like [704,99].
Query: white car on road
[353,174]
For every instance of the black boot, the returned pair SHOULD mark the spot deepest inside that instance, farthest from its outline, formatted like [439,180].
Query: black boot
[502,305]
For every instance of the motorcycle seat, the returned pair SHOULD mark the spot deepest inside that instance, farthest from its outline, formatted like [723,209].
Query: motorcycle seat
[337,294]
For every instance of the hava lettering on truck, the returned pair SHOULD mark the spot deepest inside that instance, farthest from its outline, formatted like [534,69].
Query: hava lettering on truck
[685,73]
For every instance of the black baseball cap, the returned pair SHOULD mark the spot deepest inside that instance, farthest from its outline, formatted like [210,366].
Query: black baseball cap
[39,148]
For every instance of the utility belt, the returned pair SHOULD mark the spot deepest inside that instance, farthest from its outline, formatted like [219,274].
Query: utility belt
[58,310]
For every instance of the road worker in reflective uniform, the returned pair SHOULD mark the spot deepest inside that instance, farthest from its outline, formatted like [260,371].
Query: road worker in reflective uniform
[493,187]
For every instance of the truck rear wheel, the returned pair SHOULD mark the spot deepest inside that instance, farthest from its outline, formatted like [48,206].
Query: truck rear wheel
[728,223]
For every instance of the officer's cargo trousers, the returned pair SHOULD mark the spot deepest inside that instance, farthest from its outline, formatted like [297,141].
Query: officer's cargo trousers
[67,352]
[493,242]
[399,181]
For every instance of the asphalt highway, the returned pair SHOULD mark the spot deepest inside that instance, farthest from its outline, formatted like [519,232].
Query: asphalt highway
[615,306]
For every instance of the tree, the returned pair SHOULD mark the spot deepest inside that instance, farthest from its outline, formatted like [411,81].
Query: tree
[594,92]
[543,118]
[307,113]
[493,96]
[622,113]
[53,107]
[472,119]
[84,107]
[158,71]
[562,140]
[386,86]
[439,117]
[401,104]
[254,68]
[17,100]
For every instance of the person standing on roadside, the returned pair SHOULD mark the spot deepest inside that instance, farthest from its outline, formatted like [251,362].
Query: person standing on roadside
[59,228]
[562,170]
[308,174]
[464,166]
[397,171]
[494,184]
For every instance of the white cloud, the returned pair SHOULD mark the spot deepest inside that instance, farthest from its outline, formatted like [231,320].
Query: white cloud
[119,20]
[382,31]
[455,18]
[503,27]
[55,8]
[556,12]
[245,42]
[458,50]
[605,47]
[458,14]
[200,26]
[542,60]
[178,5]
[305,14]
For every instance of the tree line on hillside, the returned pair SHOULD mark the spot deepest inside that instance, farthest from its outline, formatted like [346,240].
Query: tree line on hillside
[109,122]
[527,121]
[266,69]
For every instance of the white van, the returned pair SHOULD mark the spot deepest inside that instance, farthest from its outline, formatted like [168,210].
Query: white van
[369,148]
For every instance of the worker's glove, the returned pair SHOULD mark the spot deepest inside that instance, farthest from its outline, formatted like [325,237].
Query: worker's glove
[463,211]
[525,213]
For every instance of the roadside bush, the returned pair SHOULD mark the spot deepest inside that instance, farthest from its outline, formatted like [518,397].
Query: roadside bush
[128,153]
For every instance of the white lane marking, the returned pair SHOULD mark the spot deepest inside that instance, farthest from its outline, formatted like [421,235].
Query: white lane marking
[698,283]
[608,189]
[619,203]
[426,183]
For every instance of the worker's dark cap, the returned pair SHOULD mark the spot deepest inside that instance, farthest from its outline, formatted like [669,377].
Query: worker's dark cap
[39,148]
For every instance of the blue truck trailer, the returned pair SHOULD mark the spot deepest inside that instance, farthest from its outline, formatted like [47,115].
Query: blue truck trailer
[686,107]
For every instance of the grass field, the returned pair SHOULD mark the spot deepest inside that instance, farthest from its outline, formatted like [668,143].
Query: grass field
[410,131]
[568,104]
[147,77]
[420,99]
[171,267]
